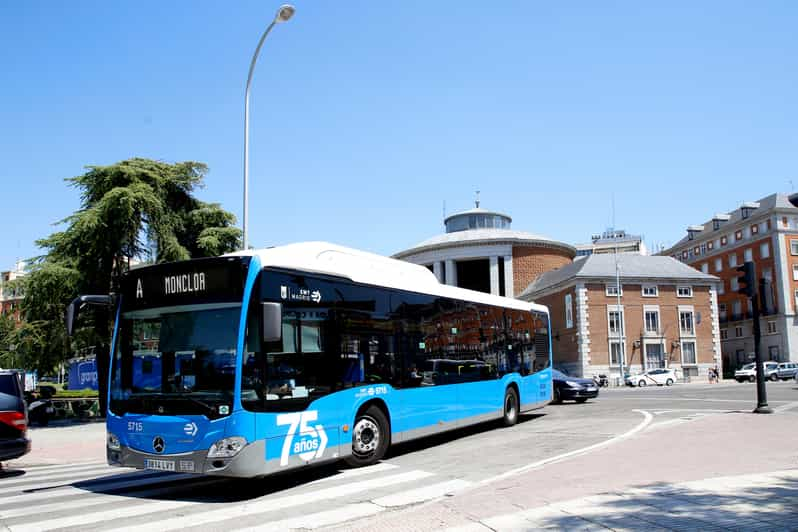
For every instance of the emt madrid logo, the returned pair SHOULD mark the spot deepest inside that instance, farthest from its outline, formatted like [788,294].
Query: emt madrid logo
[309,443]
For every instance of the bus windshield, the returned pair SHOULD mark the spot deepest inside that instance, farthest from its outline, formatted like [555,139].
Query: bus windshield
[176,360]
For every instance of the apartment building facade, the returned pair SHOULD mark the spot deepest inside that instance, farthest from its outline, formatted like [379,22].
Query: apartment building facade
[766,233]
[11,294]
[663,314]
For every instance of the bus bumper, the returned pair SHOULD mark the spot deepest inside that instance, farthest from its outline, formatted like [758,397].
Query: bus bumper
[249,462]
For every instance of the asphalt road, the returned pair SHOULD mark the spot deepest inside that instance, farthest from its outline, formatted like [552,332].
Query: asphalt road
[72,491]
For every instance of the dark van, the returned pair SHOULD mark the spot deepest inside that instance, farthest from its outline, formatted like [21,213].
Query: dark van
[13,417]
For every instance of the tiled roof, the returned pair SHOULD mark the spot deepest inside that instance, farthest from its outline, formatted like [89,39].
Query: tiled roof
[638,267]
[774,201]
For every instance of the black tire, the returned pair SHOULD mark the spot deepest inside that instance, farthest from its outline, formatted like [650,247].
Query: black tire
[752,378]
[774,377]
[555,396]
[370,437]
[641,384]
[669,382]
[740,380]
[510,416]
[581,399]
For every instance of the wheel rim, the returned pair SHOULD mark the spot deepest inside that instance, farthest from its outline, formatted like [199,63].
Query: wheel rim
[365,437]
[641,383]
[510,409]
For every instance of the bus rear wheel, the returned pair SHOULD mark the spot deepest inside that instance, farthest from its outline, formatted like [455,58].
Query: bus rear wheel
[370,437]
[510,417]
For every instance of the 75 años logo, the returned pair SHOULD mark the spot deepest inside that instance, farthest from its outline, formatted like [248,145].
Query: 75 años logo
[310,442]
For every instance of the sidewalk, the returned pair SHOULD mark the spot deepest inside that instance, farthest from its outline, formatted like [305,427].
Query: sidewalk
[765,501]
[704,473]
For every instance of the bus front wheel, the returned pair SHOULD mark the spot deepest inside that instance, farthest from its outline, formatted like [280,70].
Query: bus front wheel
[510,407]
[370,436]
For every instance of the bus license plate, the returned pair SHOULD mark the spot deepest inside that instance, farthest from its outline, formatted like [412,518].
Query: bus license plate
[160,465]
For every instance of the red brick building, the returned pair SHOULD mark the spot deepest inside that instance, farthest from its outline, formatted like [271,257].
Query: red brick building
[481,252]
[766,233]
[11,294]
[664,315]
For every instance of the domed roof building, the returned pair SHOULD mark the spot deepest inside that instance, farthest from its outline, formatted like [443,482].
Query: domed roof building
[480,251]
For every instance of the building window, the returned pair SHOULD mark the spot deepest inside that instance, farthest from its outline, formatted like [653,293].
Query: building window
[652,321]
[768,224]
[737,310]
[738,235]
[793,247]
[738,331]
[710,245]
[688,354]
[722,287]
[616,322]
[724,334]
[650,290]
[684,254]
[795,272]
[764,250]
[724,240]
[705,268]
[732,260]
[684,291]
[771,327]
[722,310]
[748,255]
[569,313]
[718,264]
[697,250]
[715,225]
[615,353]
[612,290]
[734,284]
[686,322]
[754,229]
[773,352]
[745,212]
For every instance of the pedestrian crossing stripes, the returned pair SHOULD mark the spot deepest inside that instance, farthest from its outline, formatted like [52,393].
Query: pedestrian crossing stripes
[92,496]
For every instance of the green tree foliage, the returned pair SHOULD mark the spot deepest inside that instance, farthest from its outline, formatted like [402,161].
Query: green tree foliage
[124,207]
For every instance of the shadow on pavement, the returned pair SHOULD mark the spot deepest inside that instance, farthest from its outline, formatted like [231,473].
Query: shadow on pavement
[670,506]
[446,437]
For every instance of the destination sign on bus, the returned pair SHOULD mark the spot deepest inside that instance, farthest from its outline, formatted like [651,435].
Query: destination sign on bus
[181,283]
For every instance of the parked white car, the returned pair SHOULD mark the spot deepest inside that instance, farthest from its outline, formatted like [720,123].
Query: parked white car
[748,372]
[656,377]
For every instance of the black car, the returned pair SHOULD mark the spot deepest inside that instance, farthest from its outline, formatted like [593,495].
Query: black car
[565,387]
[13,417]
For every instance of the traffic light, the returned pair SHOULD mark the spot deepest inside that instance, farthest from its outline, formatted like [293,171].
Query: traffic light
[747,280]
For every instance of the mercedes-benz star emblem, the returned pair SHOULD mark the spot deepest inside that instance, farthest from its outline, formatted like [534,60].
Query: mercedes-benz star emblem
[158,444]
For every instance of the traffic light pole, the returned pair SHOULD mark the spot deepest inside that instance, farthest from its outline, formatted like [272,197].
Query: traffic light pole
[749,288]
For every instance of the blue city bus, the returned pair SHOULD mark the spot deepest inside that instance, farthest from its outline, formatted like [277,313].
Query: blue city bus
[262,361]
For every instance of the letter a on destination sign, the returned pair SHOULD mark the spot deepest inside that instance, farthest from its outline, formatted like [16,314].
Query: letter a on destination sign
[139,290]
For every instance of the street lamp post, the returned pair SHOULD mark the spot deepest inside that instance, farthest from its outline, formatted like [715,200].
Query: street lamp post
[284,14]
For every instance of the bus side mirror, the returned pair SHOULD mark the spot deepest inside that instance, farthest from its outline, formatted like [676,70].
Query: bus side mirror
[74,307]
[272,321]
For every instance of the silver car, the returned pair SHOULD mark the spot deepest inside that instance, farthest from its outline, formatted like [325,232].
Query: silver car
[787,370]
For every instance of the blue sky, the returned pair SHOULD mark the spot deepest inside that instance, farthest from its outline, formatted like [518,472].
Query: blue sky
[368,116]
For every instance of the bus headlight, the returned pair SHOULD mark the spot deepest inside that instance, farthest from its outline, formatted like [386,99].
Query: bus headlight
[113,442]
[227,447]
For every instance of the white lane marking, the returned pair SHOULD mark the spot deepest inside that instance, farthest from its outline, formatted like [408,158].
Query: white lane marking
[682,399]
[40,467]
[71,470]
[42,507]
[122,483]
[647,417]
[784,408]
[360,471]
[146,506]
[81,475]
[269,504]
[425,493]
[347,513]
